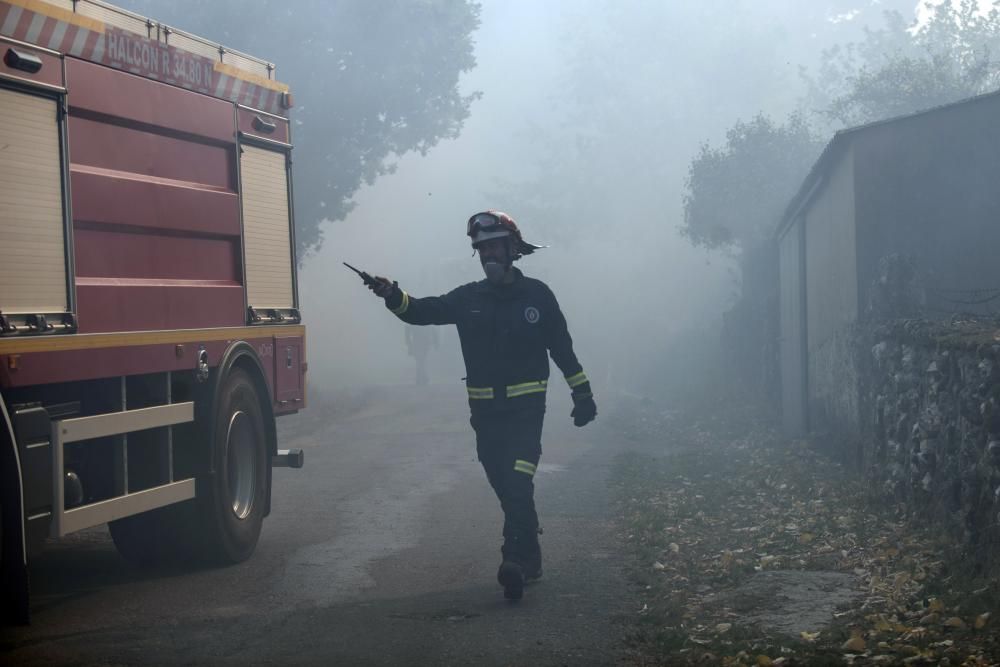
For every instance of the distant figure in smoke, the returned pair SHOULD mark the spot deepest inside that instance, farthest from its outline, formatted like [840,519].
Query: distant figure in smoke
[418,344]
[507,324]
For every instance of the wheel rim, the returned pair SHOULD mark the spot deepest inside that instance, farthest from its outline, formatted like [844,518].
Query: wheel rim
[241,464]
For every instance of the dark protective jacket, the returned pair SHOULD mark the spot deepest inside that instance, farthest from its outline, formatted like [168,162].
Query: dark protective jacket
[507,332]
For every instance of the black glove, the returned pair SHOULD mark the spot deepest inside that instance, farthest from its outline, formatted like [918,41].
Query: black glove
[584,408]
[383,287]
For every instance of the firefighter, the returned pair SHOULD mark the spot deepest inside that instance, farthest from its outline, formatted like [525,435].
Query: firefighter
[508,324]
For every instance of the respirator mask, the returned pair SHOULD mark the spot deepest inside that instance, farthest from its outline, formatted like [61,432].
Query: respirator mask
[495,271]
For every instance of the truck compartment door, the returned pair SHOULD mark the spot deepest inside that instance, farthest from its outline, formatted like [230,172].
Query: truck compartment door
[267,232]
[33,278]
[156,217]
[288,377]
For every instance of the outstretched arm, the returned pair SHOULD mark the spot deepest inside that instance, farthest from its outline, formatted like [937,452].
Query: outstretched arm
[428,310]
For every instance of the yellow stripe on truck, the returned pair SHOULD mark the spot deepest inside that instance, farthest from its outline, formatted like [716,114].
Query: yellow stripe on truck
[60,14]
[256,79]
[63,343]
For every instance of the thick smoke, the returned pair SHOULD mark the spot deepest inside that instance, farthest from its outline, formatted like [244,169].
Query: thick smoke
[590,115]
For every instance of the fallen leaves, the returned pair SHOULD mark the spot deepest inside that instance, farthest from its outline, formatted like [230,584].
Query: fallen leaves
[728,500]
[854,645]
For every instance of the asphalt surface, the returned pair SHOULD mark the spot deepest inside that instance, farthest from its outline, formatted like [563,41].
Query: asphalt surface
[382,551]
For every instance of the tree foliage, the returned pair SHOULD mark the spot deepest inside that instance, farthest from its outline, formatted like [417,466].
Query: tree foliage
[371,80]
[735,193]
[902,85]
[905,67]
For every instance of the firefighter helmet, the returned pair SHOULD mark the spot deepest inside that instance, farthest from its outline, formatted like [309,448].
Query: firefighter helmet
[497,224]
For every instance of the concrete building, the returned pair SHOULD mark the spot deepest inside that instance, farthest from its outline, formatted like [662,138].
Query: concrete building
[896,218]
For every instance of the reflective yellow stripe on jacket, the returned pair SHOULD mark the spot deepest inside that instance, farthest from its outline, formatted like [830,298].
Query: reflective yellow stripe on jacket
[512,390]
[403,305]
[536,387]
[575,381]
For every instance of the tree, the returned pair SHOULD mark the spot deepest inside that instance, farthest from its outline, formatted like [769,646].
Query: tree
[908,66]
[736,193]
[734,197]
[371,80]
[903,85]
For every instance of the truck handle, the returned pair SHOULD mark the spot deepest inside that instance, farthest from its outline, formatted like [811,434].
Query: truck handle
[22,60]
[263,125]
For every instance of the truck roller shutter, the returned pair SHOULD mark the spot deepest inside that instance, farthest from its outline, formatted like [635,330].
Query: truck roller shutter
[32,237]
[266,229]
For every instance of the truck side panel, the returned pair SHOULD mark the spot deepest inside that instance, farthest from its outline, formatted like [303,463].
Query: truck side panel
[156,213]
[33,361]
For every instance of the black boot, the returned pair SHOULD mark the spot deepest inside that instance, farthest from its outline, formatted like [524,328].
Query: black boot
[511,577]
[515,550]
[533,564]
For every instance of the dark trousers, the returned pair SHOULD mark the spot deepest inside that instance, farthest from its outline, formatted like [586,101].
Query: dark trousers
[509,445]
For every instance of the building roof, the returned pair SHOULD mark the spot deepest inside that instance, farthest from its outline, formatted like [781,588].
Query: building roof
[839,143]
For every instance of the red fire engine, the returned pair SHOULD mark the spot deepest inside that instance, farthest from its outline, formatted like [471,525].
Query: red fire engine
[149,322]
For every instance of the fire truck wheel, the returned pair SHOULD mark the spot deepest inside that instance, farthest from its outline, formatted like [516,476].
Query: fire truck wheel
[236,496]
[13,575]
[142,539]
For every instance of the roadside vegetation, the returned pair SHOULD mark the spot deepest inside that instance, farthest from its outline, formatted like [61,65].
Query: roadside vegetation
[746,549]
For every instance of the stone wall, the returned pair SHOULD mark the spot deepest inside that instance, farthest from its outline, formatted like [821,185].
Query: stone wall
[835,378]
[930,397]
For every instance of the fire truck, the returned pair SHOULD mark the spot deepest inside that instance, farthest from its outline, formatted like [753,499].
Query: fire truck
[150,331]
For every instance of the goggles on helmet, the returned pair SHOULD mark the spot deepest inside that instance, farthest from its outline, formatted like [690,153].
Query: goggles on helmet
[487,226]
[496,224]
[486,222]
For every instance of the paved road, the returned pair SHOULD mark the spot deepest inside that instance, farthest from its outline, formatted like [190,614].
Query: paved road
[382,550]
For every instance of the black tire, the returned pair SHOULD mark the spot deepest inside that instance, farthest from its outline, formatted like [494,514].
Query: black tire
[233,500]
[134,538]
[14,586]
[147,539]
[223,524]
